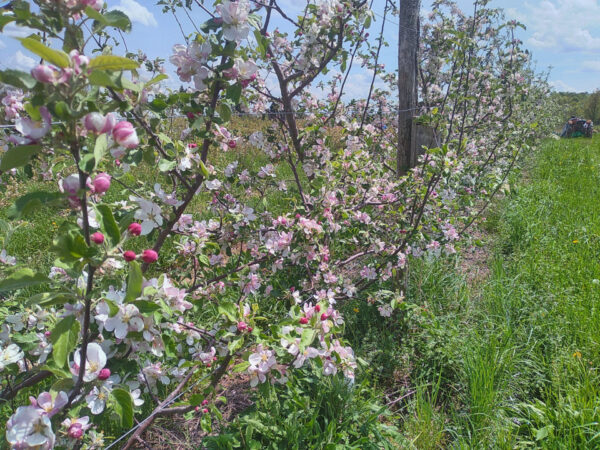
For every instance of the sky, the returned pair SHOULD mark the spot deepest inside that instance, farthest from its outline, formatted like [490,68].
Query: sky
[562,34]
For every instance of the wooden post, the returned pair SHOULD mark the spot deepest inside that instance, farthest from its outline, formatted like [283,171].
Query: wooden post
[422,136]
[408,46]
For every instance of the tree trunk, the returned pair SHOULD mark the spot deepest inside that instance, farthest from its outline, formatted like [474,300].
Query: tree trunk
[408,47]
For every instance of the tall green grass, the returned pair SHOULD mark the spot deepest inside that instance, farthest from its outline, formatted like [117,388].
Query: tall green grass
[519,356]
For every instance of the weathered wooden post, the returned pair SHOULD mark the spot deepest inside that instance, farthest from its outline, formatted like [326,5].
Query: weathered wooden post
[408,47]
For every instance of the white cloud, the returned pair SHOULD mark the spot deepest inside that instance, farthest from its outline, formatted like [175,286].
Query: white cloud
[21,61]
[137,12]
[561,86]
[13,30]
[564,25]
[591,66]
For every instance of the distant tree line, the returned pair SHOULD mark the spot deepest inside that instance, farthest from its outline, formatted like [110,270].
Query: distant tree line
[580,104]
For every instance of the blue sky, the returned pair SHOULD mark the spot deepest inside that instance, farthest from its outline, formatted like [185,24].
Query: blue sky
[564,34]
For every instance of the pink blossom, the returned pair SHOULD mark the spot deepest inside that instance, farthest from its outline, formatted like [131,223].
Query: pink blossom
[98,123]
[125,135]
[44,74]
[101,183]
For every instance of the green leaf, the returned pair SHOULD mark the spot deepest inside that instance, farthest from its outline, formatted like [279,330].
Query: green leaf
[18,79]
[70,244]
[101,78]
[22,278]
[115,18]
[146,307]
[235,344]
[31,202]
[262,42]
[46,299]
[164,165]
[112,62]
[157,79]
[64,384]
[224,112]
[123,406]
[100,148]
[234,93]
[62,110]
[203,169]
[134,282]
[113,308]
[196,399]
[108,224]
[229,310]
[5,19]
[308,336]
[64,339]
[56,57]
[18,156]
[73,38]
[87,162]
[118,19]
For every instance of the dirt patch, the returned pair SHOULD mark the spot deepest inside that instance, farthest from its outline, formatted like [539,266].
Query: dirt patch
[179,433]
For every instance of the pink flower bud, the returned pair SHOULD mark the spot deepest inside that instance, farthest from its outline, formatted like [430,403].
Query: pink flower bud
[135,229]
[205,411]
[47,333]
[104,374]
[101,183]
[98,123]
[242,326]
[250,329]
[324,316]
[129,256]
[149,256]
[317,308]
[232,144]
[44,74]
[204,402]
[70,185]
[96,4]
[97,238]
[125,135]
[303,320]
[197,409]
[75,431]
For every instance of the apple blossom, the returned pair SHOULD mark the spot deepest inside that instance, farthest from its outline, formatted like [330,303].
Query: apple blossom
[125,135]
[235,19]
[261,363]
[98,123]
[44,73]
[28,428]
[33,130]
[127,319]
[95,362]
[5,258]
[150,214]
[49,405]
[10,355]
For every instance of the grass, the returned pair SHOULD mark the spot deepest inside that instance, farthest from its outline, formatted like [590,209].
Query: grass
[518,356]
